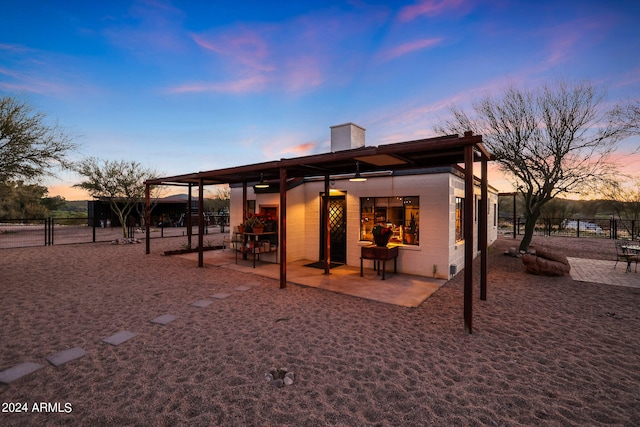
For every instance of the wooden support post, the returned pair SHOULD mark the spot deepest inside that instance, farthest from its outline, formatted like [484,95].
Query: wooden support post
[327,226]
[147,218]
[189,224]
[244,201]
[200,222]
[483,227]
[515,230]
[468,238]
[283,228]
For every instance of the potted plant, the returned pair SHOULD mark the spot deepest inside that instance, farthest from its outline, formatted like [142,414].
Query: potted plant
[381,234]
[410,233]
[253,224]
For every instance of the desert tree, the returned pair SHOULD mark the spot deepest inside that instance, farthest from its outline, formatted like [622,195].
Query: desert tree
[29,147]
[551,140]
[121,182]
[22,200]
[623,199]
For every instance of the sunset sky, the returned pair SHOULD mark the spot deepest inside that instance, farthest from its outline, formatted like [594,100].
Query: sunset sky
[198,85]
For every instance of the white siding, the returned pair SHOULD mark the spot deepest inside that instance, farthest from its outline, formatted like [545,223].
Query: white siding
[437,249]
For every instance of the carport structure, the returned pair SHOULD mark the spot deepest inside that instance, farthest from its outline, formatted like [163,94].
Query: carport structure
[414,155]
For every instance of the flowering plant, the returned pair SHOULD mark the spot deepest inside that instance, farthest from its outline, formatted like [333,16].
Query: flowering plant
[381,230]
[253,221]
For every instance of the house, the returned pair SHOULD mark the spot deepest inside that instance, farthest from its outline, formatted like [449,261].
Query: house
[423,207]
[323,209]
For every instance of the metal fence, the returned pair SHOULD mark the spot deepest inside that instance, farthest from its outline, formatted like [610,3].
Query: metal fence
[594,228]
[16,233]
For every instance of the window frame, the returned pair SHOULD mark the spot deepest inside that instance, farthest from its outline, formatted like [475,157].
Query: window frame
[396,210]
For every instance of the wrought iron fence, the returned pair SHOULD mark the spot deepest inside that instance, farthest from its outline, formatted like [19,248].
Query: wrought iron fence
[594,228]
[16,233]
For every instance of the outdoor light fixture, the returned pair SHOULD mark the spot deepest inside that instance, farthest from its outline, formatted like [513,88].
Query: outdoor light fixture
[357,177]
[261,184]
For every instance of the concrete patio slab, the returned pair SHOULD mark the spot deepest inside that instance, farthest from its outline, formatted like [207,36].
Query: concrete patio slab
[66,356]
[606,272]
[399,289]
[164,319]
[201,303]
[10,375]
[119,338]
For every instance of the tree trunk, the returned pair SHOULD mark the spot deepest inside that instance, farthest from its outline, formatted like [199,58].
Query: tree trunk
[529,228]
[123,223]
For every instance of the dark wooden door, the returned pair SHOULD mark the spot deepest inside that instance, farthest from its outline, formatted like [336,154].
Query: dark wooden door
[338,229]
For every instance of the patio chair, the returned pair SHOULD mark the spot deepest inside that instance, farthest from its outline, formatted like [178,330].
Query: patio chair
[623,254]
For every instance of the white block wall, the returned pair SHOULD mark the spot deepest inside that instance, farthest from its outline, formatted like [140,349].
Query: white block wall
[438,247]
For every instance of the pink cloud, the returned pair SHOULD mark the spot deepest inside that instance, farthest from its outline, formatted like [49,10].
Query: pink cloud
[249,84]
[303,72]
[628,79]
[573,37]
[245,48]
[300,149]
[14,48]
[409,47]
[428,8]
[26,83]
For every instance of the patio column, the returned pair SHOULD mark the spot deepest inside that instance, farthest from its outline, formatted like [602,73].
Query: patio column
[200,222]
[244,201]
[147,218]
[283,228]
[468,238]
[189,224]
[327,227]
[482,228]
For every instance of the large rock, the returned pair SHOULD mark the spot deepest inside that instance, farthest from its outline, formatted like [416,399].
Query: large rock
[546,263]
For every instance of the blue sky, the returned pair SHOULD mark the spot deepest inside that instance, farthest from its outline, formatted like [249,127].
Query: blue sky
[198,85]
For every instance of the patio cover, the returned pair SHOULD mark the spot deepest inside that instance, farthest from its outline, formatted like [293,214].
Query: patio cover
[402,156]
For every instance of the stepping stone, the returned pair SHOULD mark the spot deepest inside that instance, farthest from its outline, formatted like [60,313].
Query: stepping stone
[9,375]
[202,303]
[119,338]
[66,356]
[220,295]
[164,319]
[242,288]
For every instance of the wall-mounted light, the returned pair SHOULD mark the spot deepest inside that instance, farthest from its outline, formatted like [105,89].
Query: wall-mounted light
[261,184]
[357,177]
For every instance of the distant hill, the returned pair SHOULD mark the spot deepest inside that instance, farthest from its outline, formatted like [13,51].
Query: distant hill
[75,206]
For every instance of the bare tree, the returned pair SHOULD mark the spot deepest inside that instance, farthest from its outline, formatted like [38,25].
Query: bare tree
[624,198]
[28,146]
[552,140]
[121,182]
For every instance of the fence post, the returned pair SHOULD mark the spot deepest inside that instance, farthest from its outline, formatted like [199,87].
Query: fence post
[612,223]
[48,231]
[578,228]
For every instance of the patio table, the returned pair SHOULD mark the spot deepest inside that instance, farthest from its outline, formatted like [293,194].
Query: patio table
[379,254]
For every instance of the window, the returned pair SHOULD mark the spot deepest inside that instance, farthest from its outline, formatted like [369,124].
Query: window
[402,214]
[459,219]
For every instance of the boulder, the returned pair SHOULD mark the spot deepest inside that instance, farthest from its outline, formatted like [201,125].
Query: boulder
[546,263]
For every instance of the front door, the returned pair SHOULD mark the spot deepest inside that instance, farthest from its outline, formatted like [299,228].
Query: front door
[338,229]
